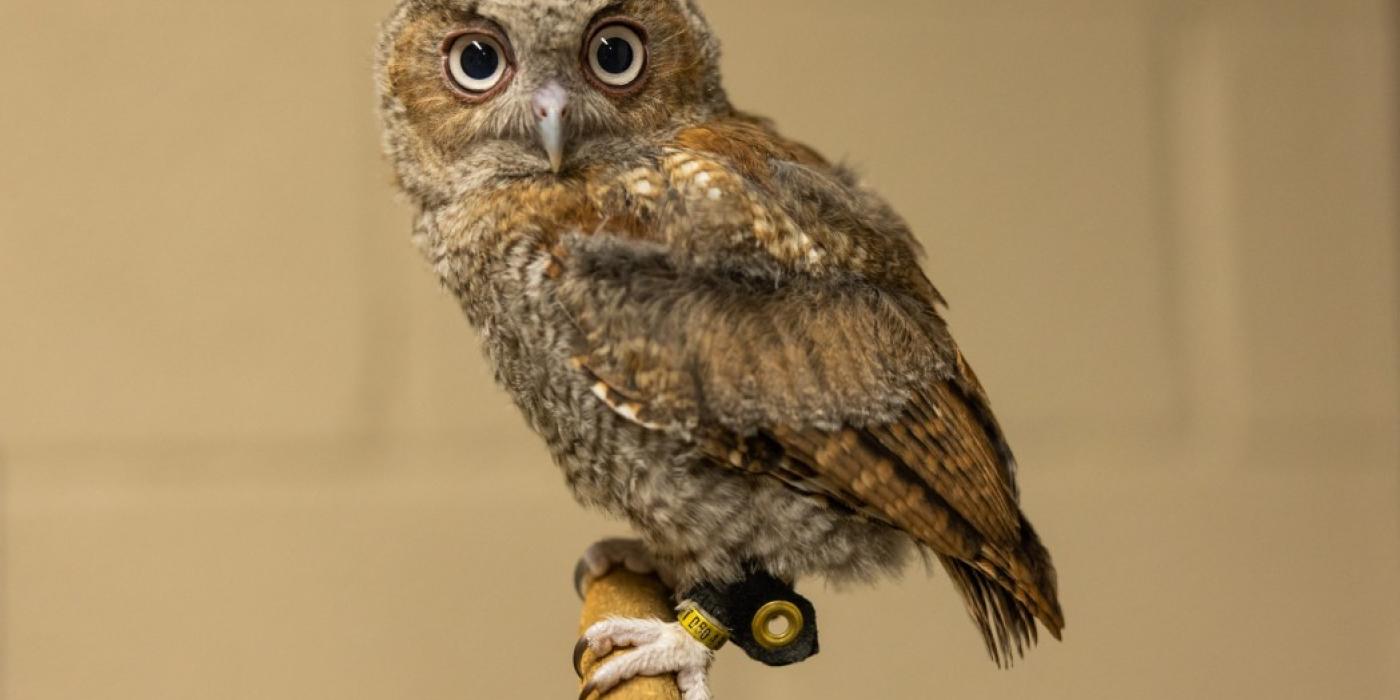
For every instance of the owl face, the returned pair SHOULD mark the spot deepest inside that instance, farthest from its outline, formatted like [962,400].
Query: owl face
[537,86]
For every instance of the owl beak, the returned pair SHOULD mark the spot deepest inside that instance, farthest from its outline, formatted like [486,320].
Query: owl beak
[551,108]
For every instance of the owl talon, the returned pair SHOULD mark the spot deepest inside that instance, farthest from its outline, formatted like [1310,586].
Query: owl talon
[580,577]
[579,648]
[656,648]
[602,556]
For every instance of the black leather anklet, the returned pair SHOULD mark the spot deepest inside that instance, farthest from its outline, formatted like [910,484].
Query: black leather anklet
[749,610]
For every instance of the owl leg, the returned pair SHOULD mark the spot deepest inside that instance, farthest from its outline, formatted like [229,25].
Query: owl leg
[657,648]
[602,556]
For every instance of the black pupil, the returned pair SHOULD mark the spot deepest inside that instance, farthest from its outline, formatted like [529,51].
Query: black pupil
[614,55]
[480,60]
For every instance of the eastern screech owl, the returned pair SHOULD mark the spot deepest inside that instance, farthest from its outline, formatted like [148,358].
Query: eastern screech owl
[722,336]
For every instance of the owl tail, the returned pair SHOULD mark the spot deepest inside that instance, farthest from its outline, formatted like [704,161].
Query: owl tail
[1006,591]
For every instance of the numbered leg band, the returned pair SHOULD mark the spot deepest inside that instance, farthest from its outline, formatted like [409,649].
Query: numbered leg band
[706,631]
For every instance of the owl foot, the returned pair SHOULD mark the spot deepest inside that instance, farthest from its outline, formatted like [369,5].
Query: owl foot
[657,648]
[602,556]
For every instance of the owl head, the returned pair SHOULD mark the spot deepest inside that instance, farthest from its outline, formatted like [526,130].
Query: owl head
[521,87]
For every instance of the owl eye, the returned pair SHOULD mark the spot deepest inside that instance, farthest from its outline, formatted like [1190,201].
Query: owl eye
[617,55]
[476,62]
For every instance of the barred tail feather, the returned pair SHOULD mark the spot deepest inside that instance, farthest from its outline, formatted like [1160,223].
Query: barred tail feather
[1006,593]
[1005,623]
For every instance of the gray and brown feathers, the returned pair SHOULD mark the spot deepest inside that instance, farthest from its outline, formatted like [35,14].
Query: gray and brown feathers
[722,337]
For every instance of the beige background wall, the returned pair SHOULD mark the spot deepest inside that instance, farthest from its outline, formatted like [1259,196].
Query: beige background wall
[249,450]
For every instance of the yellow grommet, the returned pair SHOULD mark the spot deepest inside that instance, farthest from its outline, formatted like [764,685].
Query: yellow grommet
[766,614]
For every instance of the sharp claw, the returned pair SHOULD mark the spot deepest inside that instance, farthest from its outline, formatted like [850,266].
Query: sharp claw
[579,648]
[587,690]
[580,572]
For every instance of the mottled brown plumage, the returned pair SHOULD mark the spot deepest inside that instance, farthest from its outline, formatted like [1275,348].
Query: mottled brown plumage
[722,336]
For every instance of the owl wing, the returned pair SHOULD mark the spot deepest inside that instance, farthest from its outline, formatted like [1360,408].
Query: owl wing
[837,386]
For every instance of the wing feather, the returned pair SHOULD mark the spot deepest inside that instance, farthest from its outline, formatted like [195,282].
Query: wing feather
[843,389]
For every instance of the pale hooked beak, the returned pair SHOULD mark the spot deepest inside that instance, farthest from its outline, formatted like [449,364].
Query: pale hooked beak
[551,107]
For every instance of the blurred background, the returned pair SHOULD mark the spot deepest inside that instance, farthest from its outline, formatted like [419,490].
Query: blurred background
[248,449]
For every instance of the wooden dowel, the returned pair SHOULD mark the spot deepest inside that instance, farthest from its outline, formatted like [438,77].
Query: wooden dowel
[621,593]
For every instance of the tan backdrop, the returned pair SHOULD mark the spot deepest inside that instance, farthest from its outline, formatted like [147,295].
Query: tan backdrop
[250,450]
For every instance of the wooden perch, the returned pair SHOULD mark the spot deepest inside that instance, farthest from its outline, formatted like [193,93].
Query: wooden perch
[622,593]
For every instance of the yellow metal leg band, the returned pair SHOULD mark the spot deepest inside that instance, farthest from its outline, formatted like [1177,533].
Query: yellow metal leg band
[703,629]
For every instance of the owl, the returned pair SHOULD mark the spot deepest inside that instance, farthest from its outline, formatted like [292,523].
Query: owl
[723,337]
